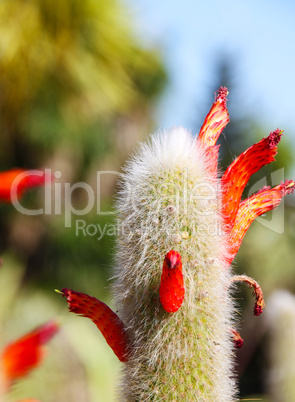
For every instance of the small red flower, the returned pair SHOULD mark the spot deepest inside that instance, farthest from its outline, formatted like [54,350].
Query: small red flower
[23,355]
[238,340]
[172,286]
[109,324]
[14,182]
[214,123]
[239,172]
[264,200]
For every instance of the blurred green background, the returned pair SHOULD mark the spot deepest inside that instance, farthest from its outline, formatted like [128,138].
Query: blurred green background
[80,85]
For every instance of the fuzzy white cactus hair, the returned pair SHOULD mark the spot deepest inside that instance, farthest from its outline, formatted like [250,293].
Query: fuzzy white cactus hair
[170,199]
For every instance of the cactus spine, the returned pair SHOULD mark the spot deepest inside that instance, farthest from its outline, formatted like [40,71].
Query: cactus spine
[169,199]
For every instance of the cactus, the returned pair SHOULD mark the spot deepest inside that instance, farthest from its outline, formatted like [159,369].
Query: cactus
[180,228]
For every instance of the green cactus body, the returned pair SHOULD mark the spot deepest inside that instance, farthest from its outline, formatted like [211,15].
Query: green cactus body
[170,200]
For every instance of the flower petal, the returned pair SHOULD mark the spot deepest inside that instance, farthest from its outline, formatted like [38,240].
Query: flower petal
[14,182]
[238,173]
[23,355]
[212,154]
[249,209]
[109,324]
[216,120]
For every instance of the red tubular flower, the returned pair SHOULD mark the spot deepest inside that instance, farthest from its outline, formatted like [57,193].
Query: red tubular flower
[254,206]
[14,182]
[26,353]
[239,172]
[215,121]
[172,286]
[238,340]
[109,324]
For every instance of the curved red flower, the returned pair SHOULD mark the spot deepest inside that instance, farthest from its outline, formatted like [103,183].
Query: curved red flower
[23,355]
[263,201]
[14,182]
[106,320]
[241,169]
[215,121]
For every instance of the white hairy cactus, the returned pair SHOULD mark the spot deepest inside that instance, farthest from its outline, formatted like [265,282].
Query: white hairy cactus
[169,199]
[181,225]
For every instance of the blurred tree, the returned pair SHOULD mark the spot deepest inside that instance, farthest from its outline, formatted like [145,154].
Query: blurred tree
[67,70]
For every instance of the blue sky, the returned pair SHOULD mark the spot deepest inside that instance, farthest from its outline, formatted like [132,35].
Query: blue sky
[259,34]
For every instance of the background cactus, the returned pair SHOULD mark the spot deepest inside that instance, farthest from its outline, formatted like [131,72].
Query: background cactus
[178,333]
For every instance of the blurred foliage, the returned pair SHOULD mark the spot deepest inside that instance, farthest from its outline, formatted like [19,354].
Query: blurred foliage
[67,70]
[74,79]
[72,257]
